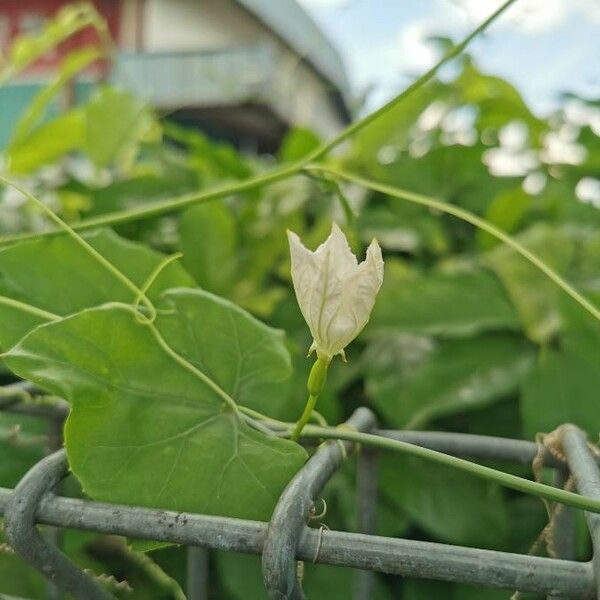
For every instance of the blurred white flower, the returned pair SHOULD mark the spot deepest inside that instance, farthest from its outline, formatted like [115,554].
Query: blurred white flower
[561,147]
[534,183]
[334,292]
[506,163]
[587,191]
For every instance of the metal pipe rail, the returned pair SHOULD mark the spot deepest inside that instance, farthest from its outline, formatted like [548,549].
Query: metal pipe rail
[408,558]
[287,538]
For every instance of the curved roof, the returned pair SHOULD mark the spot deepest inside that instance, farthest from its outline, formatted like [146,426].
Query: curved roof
[289,21]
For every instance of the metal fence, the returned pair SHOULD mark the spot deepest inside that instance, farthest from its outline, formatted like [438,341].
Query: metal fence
[287,538]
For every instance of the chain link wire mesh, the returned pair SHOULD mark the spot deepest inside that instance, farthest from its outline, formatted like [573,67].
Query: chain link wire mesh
[287,539]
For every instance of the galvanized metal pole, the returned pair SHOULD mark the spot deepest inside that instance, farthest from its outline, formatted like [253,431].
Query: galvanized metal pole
[289,521]
[366,507]
[197,570]
[587,480]
[408,558]
[23,536]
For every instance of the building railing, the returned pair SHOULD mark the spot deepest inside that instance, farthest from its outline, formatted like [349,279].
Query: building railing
[196,78]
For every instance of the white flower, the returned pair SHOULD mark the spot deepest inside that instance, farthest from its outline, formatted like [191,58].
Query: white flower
[334,292]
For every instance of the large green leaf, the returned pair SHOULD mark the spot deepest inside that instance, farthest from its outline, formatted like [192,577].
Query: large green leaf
[208,239]
[449,504]
[146,430]
[414,380]
[531,291]
[58,276]
[564,385]
[450,304]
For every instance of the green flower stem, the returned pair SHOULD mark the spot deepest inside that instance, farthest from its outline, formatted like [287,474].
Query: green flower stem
[464,215]
[315,384]
[305,417]
[505,479]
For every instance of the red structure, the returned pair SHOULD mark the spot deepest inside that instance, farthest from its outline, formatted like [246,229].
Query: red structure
[27,17]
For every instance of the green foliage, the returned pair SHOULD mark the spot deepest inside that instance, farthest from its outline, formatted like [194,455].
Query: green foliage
[108,130]
[47,143]
[69,20]
[452,506]
[115,124]
[70,67]
[450,304]
[414,380]
[297,144]
[208,240]
[561,388]
[61,279]
[466,335]
[533,294]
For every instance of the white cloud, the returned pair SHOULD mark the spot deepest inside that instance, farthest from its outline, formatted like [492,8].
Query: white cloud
[532,16]
[588,191]
[416,53]
[505,163]
[323,3]
[560,147]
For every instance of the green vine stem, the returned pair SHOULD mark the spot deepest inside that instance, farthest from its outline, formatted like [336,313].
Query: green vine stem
[505,479]
[362,123]
[139,294]
[305,417]
[172,205]
[467,216]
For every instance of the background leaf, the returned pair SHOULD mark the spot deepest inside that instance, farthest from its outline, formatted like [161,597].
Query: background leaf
[533,294]
[451,505]
[446,304]
[412,381]
[208,239]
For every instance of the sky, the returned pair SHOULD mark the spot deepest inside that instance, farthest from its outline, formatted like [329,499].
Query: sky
[544,47]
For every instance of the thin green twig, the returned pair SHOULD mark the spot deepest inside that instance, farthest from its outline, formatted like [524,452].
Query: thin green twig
[469,217]
[506,479]
[176,204]
[323,150]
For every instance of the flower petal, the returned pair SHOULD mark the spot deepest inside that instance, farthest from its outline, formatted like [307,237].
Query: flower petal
[305,273]
[342,258]
[335,293]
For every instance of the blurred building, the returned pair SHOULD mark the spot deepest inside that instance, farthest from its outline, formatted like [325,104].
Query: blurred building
[243,70]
